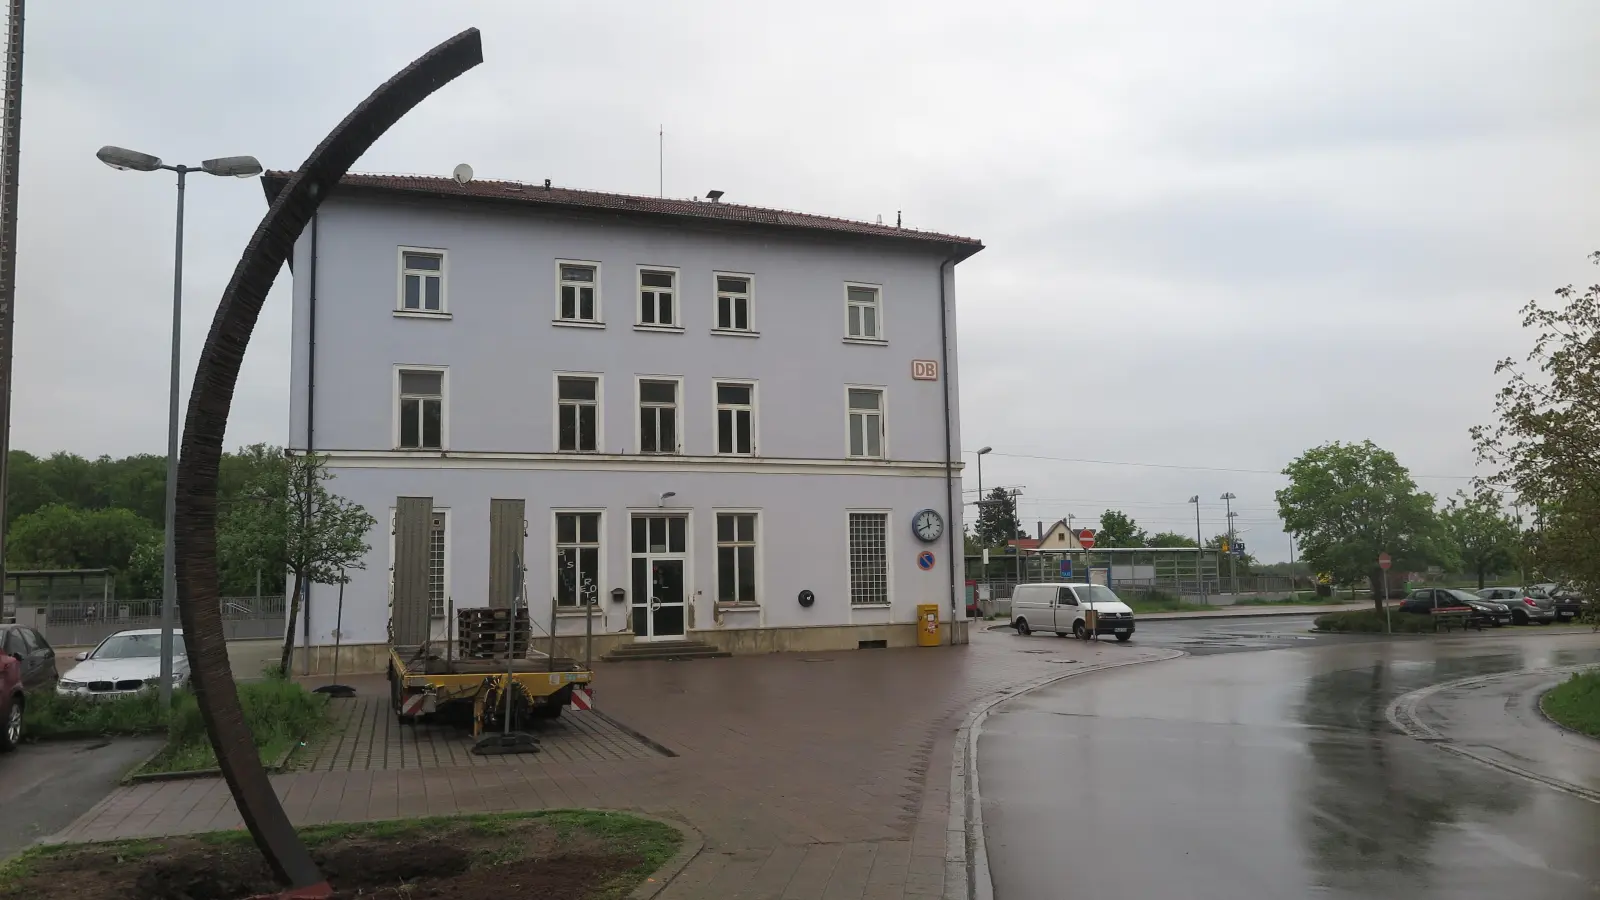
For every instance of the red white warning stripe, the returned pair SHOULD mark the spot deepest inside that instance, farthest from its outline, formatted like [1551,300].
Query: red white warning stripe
[412,704]
[582,698]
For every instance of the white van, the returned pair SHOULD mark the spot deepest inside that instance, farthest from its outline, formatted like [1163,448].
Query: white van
[1059,607]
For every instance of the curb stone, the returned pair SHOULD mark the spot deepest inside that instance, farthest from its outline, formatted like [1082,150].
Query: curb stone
[657,881]
[966,858]
[1402,714]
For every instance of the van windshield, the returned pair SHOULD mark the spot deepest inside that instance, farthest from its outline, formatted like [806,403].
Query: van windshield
[1096,593]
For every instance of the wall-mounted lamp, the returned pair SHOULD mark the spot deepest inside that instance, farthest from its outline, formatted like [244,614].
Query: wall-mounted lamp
[665,496]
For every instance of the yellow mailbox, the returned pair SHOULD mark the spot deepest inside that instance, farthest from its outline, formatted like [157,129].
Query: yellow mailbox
[927,625]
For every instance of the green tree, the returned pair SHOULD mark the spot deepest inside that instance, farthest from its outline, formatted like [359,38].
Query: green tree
[1243,564]
[997,519]
[287,518]
[1347,503]
[1486,539]
[1117,530]
[1544,447]
[63,537]
[1170,539]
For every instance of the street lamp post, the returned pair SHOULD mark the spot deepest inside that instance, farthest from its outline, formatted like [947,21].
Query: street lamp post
[1199,547]
[982,452]
[240,167]
[1233,568]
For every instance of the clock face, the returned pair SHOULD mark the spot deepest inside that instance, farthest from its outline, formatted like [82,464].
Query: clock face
[928,525]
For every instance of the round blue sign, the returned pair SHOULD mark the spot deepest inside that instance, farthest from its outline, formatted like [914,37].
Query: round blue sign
[925,560]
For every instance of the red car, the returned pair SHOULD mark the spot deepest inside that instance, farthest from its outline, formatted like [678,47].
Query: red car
[11,701]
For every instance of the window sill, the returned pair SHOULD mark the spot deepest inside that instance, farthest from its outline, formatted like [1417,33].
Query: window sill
[665,329]
[568,612]
[870,342]
[738,607]
[419,314]
[438,450]
[576,323]
[867,458]
[734,332]
[870,605]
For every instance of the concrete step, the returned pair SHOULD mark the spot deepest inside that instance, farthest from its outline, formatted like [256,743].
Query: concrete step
[665,650]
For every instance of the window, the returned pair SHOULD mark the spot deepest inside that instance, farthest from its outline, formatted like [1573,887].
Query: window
[421,281]
[579,288]
[437,560]
[736,557]
[869,558]
[577,558]
[864,319]
[656,289]
[577,414]
[658,416]
[421,410]
[1064,597]
[736,412]
[866,423]
[733,303]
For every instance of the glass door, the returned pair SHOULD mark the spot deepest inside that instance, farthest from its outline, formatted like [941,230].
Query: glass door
[659,553]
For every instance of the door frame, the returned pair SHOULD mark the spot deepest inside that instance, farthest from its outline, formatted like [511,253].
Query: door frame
[687,557]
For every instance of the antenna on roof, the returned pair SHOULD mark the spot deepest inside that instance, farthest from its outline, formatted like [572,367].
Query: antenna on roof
[462,174]
[897,218]
[713,196]
[661,160]
[880,218]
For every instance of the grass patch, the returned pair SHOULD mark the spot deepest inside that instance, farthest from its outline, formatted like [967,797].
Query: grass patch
[1291,601]
[1370,621]
[597,855]
[49,714]
[1161,601]
[280,714]
[1575,703]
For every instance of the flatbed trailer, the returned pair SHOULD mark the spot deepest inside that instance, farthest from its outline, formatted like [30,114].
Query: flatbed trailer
[424,683]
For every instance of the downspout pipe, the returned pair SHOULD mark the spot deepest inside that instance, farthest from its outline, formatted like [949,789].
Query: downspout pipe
[949,437]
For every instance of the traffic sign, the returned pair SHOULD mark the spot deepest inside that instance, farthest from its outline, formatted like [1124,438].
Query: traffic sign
[925,560]
[1086,539]
[1066,568]
[1384,561]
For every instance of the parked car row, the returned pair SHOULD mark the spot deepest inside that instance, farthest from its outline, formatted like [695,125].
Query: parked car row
[27,666]
[1533,605]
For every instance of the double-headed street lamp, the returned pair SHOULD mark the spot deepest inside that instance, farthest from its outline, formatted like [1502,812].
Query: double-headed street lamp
[239,167]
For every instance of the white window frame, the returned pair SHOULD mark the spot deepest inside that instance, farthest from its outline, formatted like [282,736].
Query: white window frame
[443,312]
[888,559]
[883,419]
[599,320]
[760,561]
[878,338]
[677,299]
[679,418]
[749,300]
[755,415]
[599,413]
[555,556]
[448,518]
[444,405]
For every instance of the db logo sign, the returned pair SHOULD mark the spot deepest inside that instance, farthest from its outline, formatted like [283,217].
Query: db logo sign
[925,370]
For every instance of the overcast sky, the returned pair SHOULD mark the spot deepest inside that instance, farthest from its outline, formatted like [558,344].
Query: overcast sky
[1218,234]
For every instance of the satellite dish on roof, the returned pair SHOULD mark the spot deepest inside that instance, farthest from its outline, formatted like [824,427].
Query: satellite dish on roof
[462,174]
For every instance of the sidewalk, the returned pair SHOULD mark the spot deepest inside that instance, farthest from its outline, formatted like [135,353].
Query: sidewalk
[1249,612]
[811,776]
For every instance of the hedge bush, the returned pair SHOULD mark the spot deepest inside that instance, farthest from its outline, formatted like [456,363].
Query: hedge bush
[1371,621]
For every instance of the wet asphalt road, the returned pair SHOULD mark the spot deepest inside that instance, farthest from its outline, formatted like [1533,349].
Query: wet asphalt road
[1264,766]
[44,787]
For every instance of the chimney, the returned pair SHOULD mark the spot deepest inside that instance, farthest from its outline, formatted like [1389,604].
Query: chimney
[1039,528]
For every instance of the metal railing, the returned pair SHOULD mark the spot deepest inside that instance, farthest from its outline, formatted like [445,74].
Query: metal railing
[83,621]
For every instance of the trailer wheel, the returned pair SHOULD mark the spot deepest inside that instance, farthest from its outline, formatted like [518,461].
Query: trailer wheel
[551,708]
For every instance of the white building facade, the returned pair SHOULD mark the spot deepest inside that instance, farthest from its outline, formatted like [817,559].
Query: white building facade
[727,425]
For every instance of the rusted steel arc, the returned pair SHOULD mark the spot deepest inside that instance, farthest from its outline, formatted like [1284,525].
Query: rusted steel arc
[207,420]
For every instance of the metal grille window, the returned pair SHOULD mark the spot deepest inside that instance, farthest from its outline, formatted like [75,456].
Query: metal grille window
[577,558]
[655,297]
[733,303]
[861,310]
[869,558]
[437,562]
[577,414]
[421,281]
[658,417]
[866,423]
[421,410]
[736,557]
[736,413]
[578,298]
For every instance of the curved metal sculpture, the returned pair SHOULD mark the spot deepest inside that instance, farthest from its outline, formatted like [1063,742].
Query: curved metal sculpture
[207,419]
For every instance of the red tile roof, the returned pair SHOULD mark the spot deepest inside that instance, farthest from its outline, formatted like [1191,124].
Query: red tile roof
[540,196]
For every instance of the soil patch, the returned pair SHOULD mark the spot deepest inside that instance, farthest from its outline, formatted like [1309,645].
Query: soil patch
[553,855]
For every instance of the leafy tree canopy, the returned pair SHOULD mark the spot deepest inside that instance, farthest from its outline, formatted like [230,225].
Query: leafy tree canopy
[1170,539]
[1487,541]
[997,519]
[1118,530]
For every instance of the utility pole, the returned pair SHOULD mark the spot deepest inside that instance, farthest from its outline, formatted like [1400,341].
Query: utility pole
[10,160]
[1199,546]
[1233,568]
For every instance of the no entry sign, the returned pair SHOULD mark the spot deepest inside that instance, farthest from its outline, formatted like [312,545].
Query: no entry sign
[1086,538]
[1383,561]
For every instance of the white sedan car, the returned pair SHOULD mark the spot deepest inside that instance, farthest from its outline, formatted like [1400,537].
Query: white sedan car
[125,663]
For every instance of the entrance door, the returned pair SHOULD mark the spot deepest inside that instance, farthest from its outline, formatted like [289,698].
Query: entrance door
[659,554]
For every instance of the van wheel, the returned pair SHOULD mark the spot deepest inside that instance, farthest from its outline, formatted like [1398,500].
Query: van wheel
[1078,631]
[1124,638]
[1022,627]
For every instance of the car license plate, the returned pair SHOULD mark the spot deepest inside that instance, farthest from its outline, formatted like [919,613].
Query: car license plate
[1122,631]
